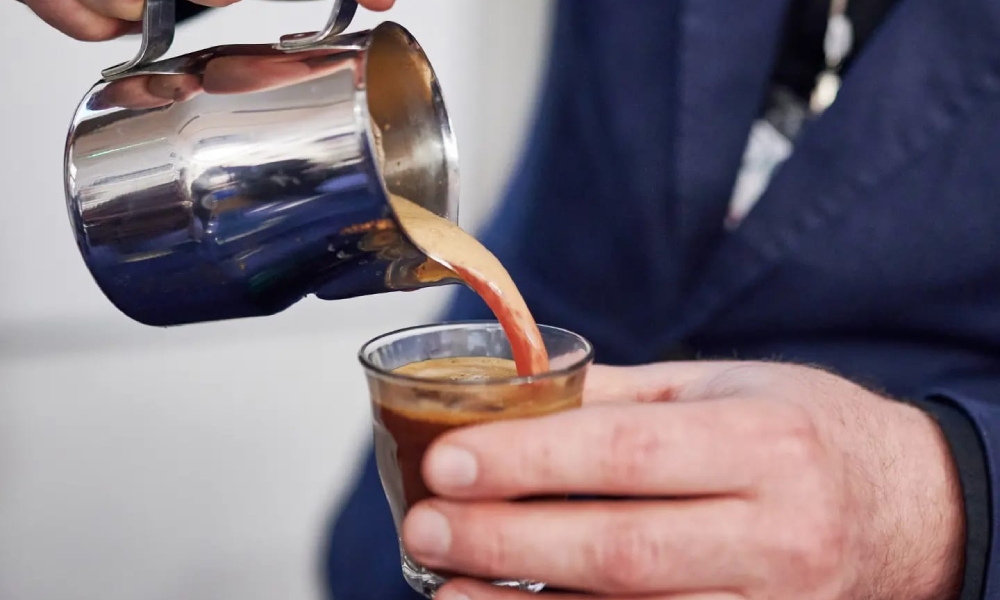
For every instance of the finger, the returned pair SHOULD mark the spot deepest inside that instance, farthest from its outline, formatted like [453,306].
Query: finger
[126,10]
[377,4]
[659,382]
[78,21]
[714,447]
[618,385]
[466,589]
[611,548]
[131,10]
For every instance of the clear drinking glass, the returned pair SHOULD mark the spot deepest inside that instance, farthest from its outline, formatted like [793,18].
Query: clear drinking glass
[409,412]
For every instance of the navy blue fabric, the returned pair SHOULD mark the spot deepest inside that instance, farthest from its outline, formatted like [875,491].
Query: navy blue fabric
[875,251]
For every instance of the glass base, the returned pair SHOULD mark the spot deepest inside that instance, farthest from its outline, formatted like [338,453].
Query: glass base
[427,583]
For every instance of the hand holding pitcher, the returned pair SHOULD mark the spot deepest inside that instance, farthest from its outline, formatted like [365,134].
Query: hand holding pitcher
[100,20]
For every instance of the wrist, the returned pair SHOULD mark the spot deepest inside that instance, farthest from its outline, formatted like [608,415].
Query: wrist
[923,511]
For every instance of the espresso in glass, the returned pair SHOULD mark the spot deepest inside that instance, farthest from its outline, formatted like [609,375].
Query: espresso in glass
[428,380]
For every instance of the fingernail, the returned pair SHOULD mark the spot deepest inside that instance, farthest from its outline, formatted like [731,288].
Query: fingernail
[451,467]
[427,532]
[448,594]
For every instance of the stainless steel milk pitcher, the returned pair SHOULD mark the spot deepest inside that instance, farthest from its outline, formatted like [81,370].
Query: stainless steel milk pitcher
[234,181]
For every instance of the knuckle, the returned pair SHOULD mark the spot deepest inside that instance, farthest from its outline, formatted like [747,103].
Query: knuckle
[815,554]
[737,379]
[536,464]
[809,551]
[795,437]
[631,446]
[829,534]
[625,558]
[490,554]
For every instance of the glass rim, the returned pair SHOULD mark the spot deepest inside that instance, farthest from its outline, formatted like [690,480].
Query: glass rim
[372,369]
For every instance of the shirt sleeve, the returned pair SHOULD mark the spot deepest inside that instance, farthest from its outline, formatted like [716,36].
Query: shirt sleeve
[970,460]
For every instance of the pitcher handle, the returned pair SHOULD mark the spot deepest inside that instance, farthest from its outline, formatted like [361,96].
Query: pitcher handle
[340,19]
[159,20]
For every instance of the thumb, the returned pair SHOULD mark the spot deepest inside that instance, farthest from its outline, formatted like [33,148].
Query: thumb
[656,382]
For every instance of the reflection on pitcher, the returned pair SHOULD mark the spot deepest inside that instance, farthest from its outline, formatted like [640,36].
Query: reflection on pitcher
[220,75]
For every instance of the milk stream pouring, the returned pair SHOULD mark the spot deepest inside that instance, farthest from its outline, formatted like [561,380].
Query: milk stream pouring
[234,181]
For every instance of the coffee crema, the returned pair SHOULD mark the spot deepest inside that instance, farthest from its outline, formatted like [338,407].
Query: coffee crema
[464,369]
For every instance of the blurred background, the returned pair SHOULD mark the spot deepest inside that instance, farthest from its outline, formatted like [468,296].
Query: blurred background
[201,462]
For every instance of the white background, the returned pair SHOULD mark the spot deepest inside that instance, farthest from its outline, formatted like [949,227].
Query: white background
[200,462]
